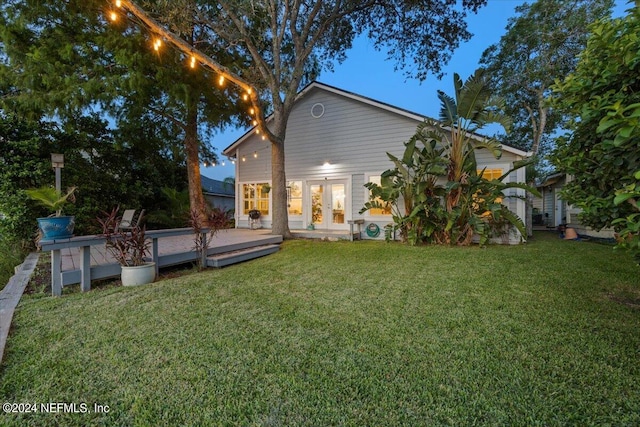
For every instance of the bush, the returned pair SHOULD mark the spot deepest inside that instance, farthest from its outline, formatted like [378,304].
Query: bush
[12,253]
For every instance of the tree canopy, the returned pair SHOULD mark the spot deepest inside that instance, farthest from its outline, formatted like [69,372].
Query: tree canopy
[63,59]
[541,44]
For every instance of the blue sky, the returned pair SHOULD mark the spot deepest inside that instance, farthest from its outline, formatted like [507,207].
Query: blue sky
[368,73]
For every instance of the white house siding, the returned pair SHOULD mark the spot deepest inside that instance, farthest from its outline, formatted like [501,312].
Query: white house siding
[353,137]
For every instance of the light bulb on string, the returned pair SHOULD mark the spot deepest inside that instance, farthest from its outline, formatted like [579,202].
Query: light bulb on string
[255,154]
[252,111]
[118,3]
[244,159]
[113,16]
[245,97]
[193,61]
[156,44]
[223,163]
[221,80]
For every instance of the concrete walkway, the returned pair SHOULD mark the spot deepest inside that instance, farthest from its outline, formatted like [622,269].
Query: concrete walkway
[11,294]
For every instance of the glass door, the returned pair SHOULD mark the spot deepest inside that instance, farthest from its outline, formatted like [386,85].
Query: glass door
[337,204]
[317,205]
[329,204]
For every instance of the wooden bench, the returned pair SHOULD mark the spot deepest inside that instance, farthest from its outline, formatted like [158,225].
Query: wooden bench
[357,222]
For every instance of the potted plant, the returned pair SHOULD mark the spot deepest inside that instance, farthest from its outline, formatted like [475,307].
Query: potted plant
[129,248]
[55,226]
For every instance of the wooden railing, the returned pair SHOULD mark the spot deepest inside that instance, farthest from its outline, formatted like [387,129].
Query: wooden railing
[87,272]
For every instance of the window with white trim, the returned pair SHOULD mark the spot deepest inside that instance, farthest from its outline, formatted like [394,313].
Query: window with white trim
[490,174]
[294,197]
[386,210]
[255,196]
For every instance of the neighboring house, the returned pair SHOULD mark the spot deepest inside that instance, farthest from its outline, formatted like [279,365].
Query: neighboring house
[554,211]
[336,142]
[219,194]
[549,209]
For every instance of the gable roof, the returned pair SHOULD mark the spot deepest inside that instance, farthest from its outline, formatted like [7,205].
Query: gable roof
[360,98]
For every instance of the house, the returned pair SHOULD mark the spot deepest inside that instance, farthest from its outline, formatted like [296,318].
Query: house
[550,210]
[336,142]
[219,194]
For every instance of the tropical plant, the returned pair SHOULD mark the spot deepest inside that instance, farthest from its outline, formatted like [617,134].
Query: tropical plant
[411,189]
[217,219]
[51,198]
[129,247]
[467,204]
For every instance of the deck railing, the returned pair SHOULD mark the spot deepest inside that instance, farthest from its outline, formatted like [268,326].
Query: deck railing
[87,272]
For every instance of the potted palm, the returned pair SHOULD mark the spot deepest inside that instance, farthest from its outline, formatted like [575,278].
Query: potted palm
[130,248]
[55,226]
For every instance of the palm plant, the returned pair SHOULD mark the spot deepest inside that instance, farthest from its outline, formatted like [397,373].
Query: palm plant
[466,204]
[460,118]
[51,198]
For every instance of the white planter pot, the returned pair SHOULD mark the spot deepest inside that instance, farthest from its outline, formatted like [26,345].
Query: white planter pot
[140,275]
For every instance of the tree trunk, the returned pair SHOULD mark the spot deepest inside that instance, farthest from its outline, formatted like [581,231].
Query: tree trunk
[280,216]
[192,148]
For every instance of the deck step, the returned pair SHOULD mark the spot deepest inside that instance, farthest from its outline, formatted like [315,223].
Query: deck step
[234,257]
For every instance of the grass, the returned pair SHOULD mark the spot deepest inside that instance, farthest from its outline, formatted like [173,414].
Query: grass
[11,255]
[338,333]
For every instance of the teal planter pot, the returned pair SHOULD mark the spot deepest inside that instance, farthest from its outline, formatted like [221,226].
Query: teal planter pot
[56,227]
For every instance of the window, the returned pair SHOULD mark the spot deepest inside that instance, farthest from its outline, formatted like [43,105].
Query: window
[294,197]
[386,209]
[490,174]
[256,196]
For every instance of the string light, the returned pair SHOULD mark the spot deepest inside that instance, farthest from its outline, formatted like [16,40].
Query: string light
[223,163]
[157,43]
[244,159]
[255,154]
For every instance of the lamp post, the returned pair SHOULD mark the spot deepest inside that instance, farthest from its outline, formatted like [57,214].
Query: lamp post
[57,161]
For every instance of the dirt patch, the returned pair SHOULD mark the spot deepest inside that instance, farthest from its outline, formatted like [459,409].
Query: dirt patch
[626,297]
[40,281]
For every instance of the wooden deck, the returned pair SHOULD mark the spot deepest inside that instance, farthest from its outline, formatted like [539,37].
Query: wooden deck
[225,240]
[84,258]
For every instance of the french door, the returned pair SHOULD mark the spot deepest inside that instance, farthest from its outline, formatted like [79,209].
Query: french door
[328,204]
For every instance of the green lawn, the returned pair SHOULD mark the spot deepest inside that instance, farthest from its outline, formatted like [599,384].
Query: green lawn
[363,333]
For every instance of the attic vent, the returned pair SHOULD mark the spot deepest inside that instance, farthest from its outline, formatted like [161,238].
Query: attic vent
[317,110]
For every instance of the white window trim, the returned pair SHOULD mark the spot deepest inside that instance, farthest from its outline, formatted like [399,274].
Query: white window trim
[302,199]
[367,214]
[241,213]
